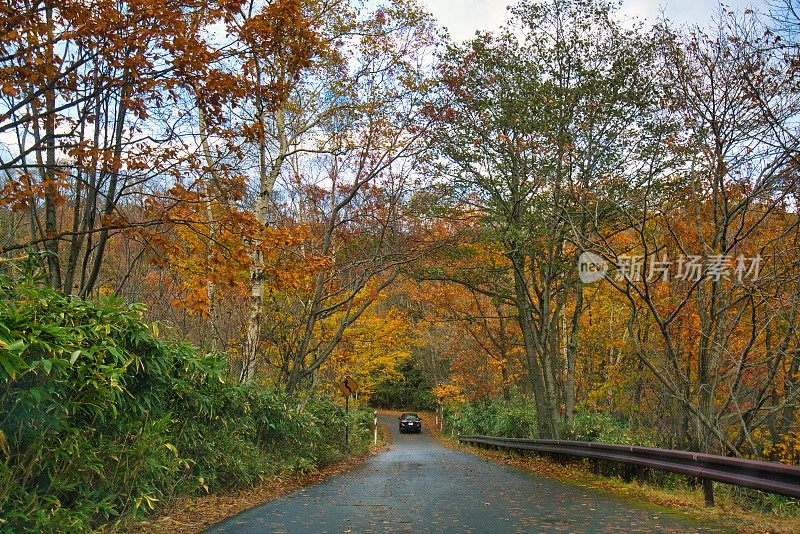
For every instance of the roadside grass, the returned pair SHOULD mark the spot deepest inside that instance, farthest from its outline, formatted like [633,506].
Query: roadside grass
[682,500]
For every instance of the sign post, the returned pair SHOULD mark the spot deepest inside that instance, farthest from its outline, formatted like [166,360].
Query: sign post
[347,387]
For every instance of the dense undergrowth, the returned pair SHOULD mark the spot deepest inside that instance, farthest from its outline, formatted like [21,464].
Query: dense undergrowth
[410,392]
[100,421]
[516,418]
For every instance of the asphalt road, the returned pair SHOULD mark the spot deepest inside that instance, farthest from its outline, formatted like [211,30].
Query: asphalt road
[421,486]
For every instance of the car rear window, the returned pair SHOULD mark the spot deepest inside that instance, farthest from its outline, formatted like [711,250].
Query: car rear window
[409,417]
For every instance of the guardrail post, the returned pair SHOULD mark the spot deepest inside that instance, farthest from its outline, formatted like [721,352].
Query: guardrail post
[641,474]
[595,465]
[628,472]
[708,491]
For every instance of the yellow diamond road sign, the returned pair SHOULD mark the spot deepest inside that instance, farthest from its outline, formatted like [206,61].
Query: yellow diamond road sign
[348,386]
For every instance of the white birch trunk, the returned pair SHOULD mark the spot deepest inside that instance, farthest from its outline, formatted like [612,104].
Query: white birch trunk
[268,174]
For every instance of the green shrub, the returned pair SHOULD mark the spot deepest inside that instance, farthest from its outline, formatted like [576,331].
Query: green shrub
[603,428]
[515,418]
[100,421]
[411,392]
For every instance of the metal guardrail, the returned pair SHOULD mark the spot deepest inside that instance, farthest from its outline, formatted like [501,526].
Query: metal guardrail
[770,477]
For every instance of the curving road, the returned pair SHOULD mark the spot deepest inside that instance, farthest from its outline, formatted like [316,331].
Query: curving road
[420,486]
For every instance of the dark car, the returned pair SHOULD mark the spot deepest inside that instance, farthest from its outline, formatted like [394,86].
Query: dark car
[410,422]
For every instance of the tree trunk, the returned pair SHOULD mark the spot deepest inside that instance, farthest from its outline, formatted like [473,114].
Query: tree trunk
[268,174]
[546,419]
[572,355]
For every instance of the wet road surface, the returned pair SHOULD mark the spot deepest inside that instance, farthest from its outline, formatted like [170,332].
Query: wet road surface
[422,486]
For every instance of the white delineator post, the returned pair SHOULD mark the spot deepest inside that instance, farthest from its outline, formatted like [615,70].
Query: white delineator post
[375,427]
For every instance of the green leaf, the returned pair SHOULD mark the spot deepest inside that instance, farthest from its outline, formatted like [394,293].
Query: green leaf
[74,356]
[16,346]
[12,364]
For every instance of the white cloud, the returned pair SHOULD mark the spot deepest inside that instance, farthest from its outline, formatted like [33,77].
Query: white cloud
[683,12]
[463,18]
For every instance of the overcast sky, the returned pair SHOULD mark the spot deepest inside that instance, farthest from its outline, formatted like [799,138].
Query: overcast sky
[464,17]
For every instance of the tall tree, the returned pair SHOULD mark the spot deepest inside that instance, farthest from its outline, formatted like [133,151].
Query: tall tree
[335,130]
[535,121]
[281,40]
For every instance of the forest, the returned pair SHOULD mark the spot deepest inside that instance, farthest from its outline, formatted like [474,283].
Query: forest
[578,226]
